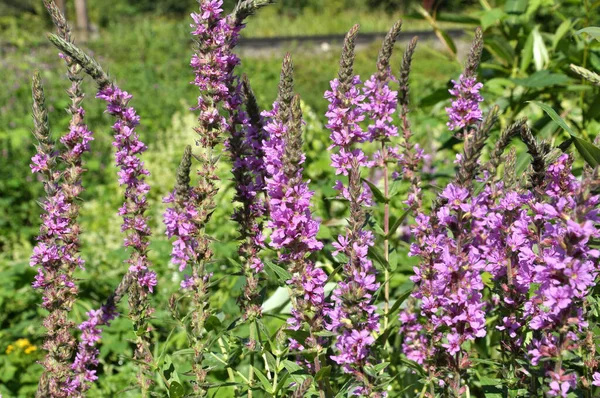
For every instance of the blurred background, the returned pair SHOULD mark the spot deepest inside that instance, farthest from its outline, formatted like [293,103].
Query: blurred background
[146,47]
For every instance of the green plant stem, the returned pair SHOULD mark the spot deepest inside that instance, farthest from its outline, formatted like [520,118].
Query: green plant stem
[386,230]
[229,369]
[251,370]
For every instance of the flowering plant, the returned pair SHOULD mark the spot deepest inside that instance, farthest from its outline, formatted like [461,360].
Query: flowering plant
[501,296]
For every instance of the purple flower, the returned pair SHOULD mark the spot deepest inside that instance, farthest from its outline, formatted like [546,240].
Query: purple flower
[293,229]
[353,315]
[131,175]
[380,105]
[464,110]
[87,353]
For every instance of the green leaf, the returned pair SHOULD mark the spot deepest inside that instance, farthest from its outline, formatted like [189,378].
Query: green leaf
[486,277]
[323,373]
[543,78]
[374,371]
[212,323]
[298,335]
[554,116]
[397,223]
[378,256]
[591,30]
[263,379]
[561,31]
[540,52]
[501,49]
[527,53]
[291,366]
[448,40]
[515,6]
[282,274]
[326,333]
[589,151]
[435,97]
[492,17]
[379,197]
[399,302]
[176,390]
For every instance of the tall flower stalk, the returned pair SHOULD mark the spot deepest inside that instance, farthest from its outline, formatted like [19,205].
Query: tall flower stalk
[380,105]
[62,213]
[411,153]
[293,229]
[131,175]
[52,254]
[464,110]
[249,172]
[353,315]
[219,106]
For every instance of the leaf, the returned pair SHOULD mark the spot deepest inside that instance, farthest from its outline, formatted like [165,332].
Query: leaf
[435,97]
[298,335]
[176,390]
[540,52]
[373,252]
[291,366]
[554,116]
[515,6]
[263,379]
[486,278]
[501,49]
[185,351]
[561,31]
[379,197]
[323,373]
[399,302]
[591,30]
[212,323]
[397,223]
[527,53]
[543,78]
[589,151]
[326,333]
[492,17]
[448,40]
[282,274]
[278,299]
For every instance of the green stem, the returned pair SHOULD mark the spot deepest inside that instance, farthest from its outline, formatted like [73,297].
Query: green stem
[386,230]
[251,370]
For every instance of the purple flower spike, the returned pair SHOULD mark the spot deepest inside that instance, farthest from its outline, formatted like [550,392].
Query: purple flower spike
[131,175]
[464,110]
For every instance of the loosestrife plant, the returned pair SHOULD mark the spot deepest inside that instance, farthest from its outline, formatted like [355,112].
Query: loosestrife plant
[502,296]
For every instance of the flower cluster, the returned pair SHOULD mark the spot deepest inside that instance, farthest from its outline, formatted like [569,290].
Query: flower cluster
[448,282]
[87,353]
[380,104]
[57,251]
[213,65]
[564,267]
[353,314]
[524,240]
[131,175]
[464,110]
[293,228]
[135,222]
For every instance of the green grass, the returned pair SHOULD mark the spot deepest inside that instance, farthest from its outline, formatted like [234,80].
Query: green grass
[269,23]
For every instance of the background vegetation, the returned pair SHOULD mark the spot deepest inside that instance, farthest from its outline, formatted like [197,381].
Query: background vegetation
[146,45]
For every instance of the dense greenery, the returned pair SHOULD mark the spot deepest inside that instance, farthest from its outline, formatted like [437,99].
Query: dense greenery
[527,56]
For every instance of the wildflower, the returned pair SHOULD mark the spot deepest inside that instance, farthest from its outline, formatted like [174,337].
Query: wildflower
[352,315]
[464,110]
